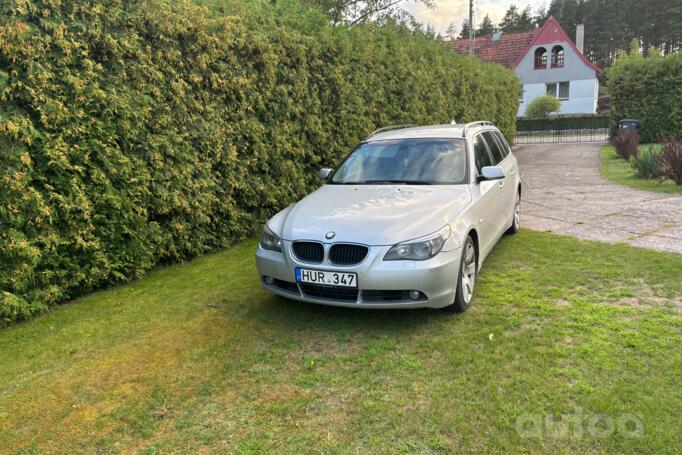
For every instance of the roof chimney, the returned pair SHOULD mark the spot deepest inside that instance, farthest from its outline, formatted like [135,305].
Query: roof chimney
[580,38]
[497,35]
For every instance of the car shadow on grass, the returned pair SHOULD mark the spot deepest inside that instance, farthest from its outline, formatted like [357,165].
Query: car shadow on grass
[286,314]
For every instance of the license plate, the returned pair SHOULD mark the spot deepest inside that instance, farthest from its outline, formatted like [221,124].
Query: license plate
[349,280]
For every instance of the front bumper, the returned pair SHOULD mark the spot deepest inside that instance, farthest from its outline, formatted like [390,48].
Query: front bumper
[435,279]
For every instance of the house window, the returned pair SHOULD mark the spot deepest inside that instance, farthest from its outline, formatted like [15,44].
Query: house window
[551,89]
[559,90]
[523,92]
[540,58]
[558,57]
[564,90]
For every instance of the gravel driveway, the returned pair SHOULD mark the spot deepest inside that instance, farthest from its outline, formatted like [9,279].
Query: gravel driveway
[565,193]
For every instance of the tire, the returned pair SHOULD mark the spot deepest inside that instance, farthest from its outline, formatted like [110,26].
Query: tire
[516,217]
[466,278]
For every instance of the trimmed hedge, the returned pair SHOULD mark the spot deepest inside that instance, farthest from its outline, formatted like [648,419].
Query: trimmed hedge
[648,89]
[138,132]
[562,123]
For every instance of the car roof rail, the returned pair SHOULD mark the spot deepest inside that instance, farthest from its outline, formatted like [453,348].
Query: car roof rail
[391,128]
[476,123]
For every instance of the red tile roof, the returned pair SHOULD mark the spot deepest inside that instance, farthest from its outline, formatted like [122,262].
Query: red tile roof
[512,47]
[504,51]
[551,32]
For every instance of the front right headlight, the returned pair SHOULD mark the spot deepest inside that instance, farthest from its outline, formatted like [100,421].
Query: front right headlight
[270,241]
[419,250]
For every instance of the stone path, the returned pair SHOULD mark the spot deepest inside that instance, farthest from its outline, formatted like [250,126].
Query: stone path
[565,193]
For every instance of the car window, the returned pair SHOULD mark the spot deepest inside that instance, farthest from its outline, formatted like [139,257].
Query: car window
[409,161]
[495,149]
[503,142]
[481,153]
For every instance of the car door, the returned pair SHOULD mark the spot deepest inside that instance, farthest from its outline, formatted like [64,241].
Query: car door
[504,201]
[511,170]
[486,195]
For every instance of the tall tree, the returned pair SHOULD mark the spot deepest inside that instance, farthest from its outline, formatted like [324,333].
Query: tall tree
[486,28]
[540,16]
[451,31]
[354,12]
[464,33]
[517,21]
[525,21]
[510,19]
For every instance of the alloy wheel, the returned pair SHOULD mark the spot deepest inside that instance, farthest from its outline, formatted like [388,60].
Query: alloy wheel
[468,273]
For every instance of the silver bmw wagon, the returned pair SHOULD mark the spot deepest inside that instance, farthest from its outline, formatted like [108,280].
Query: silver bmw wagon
[405,221]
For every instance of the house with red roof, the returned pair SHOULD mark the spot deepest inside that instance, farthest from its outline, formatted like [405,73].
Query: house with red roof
[546,61]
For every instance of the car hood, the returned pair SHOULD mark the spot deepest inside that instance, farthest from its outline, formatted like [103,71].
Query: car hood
[374,214]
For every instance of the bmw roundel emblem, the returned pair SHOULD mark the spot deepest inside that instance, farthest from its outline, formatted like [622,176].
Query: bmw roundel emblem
[330,235]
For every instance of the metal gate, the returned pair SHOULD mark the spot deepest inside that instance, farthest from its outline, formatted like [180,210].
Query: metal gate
[585,128]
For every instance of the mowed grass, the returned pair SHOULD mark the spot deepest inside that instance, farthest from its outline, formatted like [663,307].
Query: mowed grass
[617,169]
[197,358]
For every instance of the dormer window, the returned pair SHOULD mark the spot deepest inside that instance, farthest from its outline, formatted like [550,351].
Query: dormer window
[540,58]
[558,57]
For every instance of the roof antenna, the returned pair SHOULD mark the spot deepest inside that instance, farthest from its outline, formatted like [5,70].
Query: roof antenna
[453,122]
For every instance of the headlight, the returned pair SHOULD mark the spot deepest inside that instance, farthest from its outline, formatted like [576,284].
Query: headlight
[270,241]
[419,250]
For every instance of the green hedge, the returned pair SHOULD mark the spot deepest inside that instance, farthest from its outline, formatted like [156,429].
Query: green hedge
[562,123]
[134,133]
[648,89]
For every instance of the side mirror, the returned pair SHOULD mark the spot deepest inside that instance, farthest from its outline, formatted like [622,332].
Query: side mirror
[492,173]
[325,172]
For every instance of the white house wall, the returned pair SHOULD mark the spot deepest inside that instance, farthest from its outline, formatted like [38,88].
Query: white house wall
[582,96]
[584,86]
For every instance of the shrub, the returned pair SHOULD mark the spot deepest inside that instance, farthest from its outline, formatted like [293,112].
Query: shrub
[648,89]
[645,163]
[542,106]
[563,123]
[670,159]
[135,132]
[626,144]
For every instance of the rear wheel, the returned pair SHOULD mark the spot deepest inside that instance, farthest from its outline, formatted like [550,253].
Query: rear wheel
[466,280]
[516,219]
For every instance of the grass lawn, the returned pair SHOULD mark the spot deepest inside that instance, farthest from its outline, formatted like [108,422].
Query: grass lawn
[196,357]
[615,168]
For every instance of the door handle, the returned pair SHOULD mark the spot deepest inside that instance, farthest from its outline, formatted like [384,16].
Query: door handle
[501,183]
[512,172]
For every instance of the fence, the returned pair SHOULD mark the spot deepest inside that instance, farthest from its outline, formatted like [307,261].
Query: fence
[585,128]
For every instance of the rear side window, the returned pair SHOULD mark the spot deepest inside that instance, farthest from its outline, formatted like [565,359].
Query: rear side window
[503,143]
[495,149]
[481,153]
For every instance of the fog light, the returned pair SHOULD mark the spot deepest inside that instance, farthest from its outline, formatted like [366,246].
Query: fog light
[414,295]
[269,280]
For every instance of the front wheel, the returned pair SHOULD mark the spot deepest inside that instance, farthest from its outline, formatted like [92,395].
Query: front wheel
[516,220]
[466,279]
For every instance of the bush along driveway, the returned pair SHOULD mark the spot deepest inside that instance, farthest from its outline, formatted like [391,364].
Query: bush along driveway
[565,193]
[197,358]
[620,171]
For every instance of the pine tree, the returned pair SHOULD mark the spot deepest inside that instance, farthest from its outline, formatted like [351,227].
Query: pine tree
[464,34]
[540,17]
[486,28]
[451,31]
[515,21]
[525,22]
[510,20]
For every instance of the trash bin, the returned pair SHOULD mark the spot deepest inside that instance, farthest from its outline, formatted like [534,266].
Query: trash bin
[628,124]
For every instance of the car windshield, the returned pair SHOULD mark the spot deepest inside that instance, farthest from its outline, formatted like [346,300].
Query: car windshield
[405,161]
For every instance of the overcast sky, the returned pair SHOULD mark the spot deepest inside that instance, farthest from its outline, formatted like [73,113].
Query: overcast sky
[447,11]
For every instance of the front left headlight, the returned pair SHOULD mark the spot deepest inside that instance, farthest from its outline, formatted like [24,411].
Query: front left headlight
[419,250]
[270,241]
